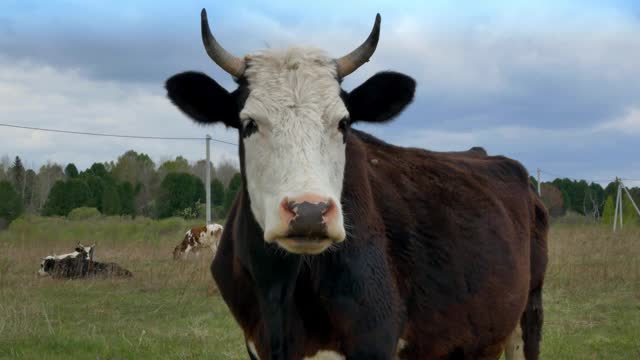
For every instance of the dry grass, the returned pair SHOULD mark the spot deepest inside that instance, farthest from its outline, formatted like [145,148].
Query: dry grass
[592,294]
[171,310]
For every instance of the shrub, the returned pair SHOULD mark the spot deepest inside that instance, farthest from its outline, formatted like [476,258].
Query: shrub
[84,213]
[179,191]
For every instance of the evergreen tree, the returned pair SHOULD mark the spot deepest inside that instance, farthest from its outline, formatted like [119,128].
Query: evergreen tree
[217,192]
[96,190]
[30,189]
[10,202]
[111,201]
[18,176]
[66,196]
[179,191]
[71,171]
[608,212]
[127,198]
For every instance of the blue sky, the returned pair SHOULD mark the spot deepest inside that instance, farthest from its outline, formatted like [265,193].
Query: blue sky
[555,85]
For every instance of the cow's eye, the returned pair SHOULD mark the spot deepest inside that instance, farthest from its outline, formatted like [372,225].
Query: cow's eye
[343,125]
[249,128]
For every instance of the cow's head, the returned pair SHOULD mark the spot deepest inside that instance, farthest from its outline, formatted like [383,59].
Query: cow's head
[214,232]
[87,252]
[293,119]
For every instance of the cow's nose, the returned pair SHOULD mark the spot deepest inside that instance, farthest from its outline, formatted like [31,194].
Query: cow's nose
[308,216]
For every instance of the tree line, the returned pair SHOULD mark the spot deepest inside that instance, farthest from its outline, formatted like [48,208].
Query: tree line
[130,186]
[135,185]
[588,199]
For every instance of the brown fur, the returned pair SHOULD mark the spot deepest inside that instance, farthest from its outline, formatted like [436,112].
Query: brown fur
[445,250]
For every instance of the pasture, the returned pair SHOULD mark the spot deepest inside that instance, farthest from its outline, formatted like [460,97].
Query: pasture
[171,310]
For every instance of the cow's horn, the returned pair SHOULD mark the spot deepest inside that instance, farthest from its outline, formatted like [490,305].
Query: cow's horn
[229,63]
[352,61]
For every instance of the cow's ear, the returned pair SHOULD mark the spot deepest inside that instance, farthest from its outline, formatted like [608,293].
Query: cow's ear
[381,98]
[203,99]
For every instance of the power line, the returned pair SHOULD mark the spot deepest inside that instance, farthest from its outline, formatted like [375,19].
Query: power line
[113,135]
[572,178]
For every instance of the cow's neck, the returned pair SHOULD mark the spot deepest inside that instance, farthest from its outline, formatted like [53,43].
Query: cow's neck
[273,272]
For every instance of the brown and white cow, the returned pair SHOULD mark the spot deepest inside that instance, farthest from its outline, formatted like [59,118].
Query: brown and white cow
[342,246]
[199,238]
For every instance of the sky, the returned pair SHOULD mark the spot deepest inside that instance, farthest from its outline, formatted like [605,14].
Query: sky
[552,84]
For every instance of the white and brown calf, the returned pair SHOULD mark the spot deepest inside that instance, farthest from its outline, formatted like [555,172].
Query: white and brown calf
[197,239]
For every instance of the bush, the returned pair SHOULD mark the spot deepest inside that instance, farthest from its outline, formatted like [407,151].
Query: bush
[84,213]
[179,191]
[66,196]
[10,202]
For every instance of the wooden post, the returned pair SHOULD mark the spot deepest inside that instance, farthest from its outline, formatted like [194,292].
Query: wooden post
[539,191]
[207,185]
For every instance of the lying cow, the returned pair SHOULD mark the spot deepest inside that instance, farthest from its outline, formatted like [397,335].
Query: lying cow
[81,267]
[197,239]
[88,252]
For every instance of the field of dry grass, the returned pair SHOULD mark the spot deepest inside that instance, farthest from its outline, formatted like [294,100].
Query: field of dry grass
[172,310]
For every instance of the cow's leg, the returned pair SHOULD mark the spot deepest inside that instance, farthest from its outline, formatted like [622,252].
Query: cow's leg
[253,353]
[515,345]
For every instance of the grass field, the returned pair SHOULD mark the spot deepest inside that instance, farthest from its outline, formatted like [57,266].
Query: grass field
[171,310]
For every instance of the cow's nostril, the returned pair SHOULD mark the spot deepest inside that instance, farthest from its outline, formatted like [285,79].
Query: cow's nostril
[328,207]
[288,207]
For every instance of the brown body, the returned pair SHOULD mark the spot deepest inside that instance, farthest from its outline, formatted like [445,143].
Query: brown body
[198,238]
[446,252]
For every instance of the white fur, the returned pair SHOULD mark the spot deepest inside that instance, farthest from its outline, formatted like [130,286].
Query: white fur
[401,345]
[515,345]
[208,239]
[88,256]
[252,348]
[326,355]
[298,149]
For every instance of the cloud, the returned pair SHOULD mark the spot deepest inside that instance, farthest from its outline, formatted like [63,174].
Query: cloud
[43,96]
[553,85]
[628,125]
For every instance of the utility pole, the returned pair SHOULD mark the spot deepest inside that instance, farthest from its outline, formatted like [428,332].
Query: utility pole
[539,191]
[617,214]
[207,185]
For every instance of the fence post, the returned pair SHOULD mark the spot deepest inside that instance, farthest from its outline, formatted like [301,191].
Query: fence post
[539,191]
[207,185]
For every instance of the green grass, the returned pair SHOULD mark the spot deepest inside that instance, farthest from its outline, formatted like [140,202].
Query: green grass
[172,310]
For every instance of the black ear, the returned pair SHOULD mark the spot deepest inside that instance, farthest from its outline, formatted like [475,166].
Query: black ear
[203,99]
[381,98]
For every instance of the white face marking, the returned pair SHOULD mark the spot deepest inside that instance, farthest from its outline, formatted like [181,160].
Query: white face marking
[326,355]
[515,345]
[252,348]
[401,345]
[298,149]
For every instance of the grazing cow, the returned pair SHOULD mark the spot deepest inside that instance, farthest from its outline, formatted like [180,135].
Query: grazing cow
[342,246]
[87,252]
[81,267]
[199,238]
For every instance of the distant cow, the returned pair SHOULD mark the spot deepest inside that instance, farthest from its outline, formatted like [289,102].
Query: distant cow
[81,267]
[88,252]
[199,238]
